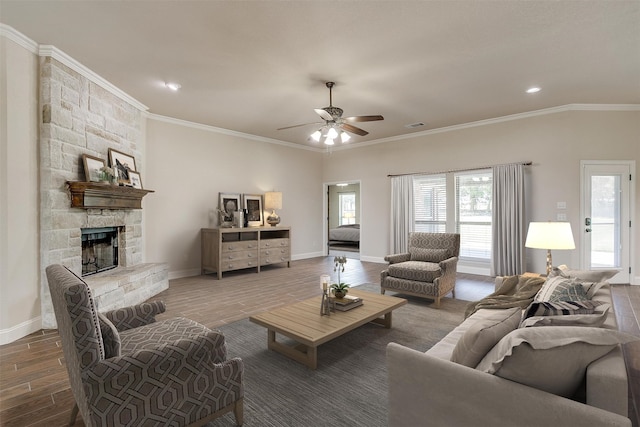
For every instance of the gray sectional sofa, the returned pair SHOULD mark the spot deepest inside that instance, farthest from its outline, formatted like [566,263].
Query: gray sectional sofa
[430,389]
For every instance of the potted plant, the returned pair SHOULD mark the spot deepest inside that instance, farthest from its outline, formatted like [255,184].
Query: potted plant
[339,289]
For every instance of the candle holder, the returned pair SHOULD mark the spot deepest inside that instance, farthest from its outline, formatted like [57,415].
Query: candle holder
[325,305]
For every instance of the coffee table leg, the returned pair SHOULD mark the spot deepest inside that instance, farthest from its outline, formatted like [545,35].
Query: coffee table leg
[384,321]
[306,355]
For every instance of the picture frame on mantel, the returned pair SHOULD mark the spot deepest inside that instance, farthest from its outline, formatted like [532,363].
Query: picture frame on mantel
[92,168]
[227,205]
[253,204]
[121,164]
[135,180]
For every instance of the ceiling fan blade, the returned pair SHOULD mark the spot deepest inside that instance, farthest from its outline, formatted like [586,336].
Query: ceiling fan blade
[326,116]
[353,129]
[297,126]
[364,118]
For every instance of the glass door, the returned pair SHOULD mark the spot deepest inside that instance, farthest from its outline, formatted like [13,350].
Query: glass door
[606,226]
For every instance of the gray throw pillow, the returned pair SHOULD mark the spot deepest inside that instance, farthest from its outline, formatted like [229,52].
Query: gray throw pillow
[561,289]
[428,255]
[483,335]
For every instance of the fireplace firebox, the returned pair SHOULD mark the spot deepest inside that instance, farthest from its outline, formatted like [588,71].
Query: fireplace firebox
[99,249]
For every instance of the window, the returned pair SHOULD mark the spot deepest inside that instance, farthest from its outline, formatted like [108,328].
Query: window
[467,210]
[347,203]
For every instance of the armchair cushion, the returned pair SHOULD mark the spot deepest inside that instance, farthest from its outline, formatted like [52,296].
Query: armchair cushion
[415,270]
[135,316]
[428,255]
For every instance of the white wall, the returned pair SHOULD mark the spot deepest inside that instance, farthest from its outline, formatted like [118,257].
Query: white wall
[188,165]
[555,143]
[19,238]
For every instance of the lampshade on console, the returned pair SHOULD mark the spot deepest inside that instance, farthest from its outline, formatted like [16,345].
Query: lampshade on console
[273,201]
[549,235]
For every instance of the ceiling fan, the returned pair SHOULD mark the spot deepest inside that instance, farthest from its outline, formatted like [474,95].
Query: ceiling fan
[334,124]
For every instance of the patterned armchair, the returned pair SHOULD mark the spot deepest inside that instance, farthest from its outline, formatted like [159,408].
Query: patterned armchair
[427,270]
[126,369]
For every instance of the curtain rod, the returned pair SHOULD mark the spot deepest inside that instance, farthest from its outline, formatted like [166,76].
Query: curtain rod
[528,163]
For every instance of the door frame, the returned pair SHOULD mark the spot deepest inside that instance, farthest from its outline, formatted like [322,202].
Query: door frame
[325,211]
[632,203]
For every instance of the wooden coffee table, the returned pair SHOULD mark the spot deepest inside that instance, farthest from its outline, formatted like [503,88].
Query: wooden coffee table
[303,323]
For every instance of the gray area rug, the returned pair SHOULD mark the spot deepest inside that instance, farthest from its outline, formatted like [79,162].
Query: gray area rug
[349,388]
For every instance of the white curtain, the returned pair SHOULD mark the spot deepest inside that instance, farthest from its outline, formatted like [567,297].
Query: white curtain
[508,256]
[401,213]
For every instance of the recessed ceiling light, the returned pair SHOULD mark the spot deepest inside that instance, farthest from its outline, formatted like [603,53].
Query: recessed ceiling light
[342,184]
[533,89]
[173,86]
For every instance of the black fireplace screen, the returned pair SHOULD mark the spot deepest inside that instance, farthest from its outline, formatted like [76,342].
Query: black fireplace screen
[99,249]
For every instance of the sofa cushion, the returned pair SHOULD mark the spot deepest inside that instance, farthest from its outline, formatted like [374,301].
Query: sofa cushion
[483,335]
[415,270]
[560,288]
[553,359]
[428,255]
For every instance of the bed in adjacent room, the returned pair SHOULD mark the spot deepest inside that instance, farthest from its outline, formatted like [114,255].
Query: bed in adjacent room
[345,235]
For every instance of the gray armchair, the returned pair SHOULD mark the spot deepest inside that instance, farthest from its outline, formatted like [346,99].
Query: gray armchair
[126,369]
[428,269]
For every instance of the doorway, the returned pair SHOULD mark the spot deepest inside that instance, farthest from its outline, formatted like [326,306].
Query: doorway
[606,211]
[343,219]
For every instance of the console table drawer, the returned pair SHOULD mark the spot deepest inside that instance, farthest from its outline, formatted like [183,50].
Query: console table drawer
[273,243]
[239,246]
[238,255]
[274,259]
[229,265]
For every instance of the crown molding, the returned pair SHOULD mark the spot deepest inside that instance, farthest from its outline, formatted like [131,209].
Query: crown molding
[517,116]
[60,56]
[223,131]
[19,38]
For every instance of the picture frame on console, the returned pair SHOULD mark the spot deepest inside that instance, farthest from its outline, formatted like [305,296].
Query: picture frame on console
[227,205]
[92,168]
[253,204]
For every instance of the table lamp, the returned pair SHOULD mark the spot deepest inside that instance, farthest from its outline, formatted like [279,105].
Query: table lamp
[549,235]
[273,201]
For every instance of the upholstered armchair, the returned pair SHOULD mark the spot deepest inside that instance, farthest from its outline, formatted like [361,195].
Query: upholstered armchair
[127,369]
[428,269]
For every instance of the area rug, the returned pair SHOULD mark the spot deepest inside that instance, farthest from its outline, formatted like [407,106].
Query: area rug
[349,387]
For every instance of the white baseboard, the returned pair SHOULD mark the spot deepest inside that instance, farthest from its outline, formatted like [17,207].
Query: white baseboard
[636,281]
[379,260]
[22,330]
[307,255]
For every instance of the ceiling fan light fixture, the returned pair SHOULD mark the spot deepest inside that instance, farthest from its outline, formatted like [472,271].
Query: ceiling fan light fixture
[344,137]
[329,141]
[332,133]
[316,136]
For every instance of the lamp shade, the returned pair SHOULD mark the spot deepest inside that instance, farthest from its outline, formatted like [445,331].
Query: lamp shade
[273,200]
[550,235]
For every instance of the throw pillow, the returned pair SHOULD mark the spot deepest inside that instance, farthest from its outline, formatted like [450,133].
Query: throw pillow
[592,280]
[595,320]
[428,255]
[537,308]
[554,359]
[561,289]
[483,335]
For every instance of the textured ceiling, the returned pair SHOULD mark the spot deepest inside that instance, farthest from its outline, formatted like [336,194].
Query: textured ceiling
[255,66]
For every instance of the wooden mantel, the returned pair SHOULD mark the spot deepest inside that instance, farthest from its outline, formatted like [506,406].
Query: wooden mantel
[101,195]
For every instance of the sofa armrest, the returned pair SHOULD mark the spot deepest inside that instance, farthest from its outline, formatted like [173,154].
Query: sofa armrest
[607,386]
[396,258]
[135,315]
[422,387]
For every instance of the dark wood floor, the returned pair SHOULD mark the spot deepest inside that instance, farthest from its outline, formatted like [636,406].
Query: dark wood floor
[34,389]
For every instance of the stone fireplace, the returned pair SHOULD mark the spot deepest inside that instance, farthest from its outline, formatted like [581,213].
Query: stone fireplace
[99,249]
[81,114]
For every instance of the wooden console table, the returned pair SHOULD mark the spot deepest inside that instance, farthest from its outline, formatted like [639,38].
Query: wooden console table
[227,249]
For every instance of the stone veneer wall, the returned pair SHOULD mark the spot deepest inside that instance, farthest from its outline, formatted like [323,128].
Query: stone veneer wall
[81,117]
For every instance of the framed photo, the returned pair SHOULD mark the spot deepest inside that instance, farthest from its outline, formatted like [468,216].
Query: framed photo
[92,168]
[228,204]
[121,164]
[253,204]
[135,180]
